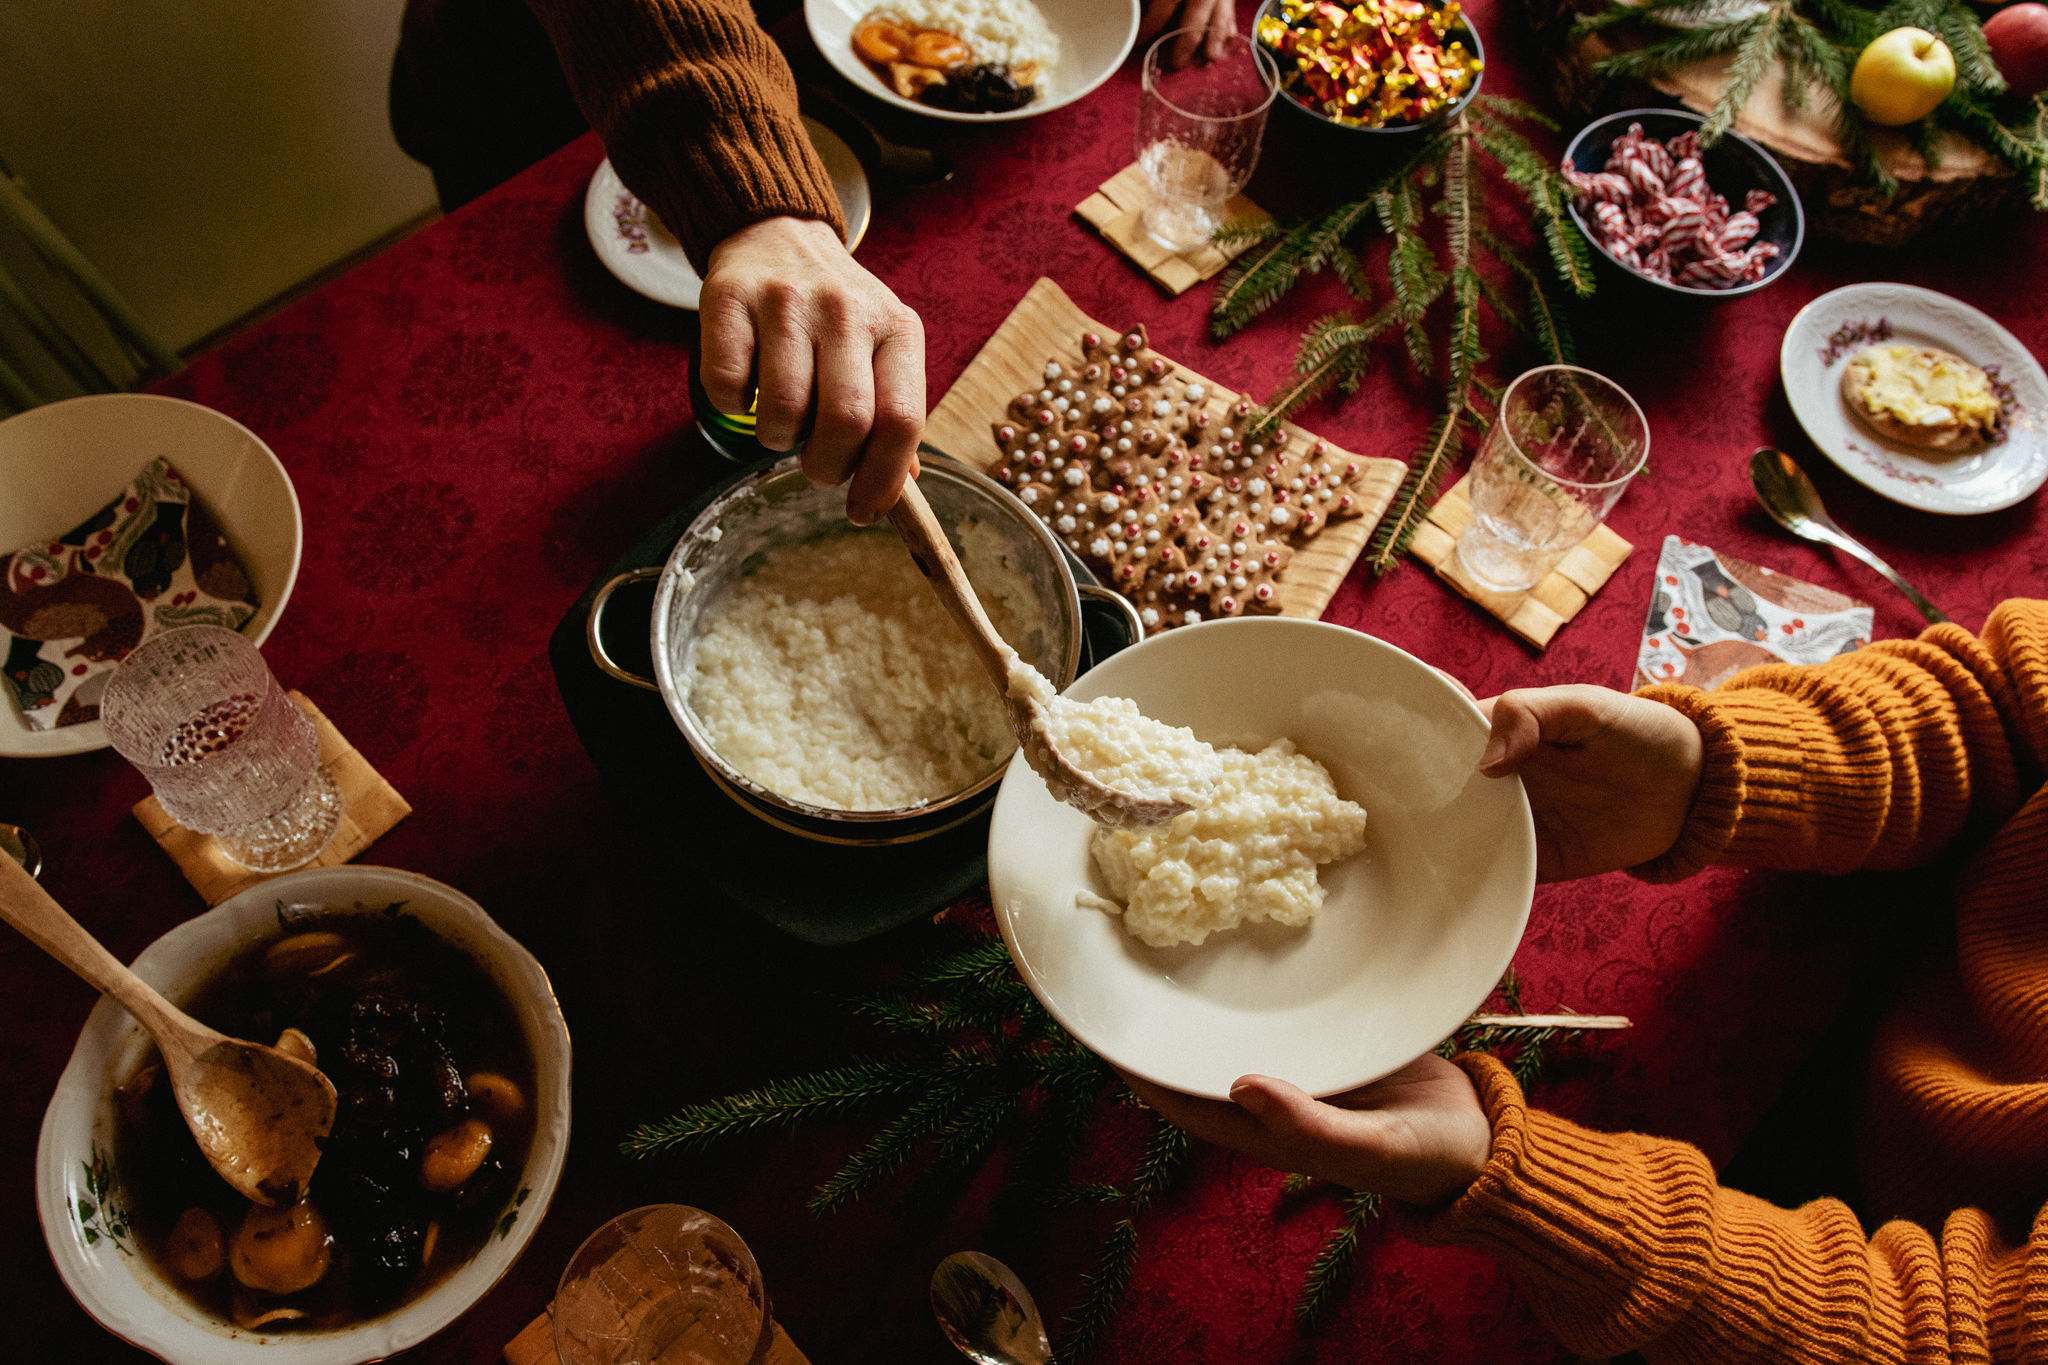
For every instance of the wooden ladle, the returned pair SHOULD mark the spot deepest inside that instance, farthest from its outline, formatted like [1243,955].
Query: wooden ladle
[259,1115]
[1027,696]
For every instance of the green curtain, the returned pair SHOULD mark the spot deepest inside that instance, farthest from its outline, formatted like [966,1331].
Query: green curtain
[64,329]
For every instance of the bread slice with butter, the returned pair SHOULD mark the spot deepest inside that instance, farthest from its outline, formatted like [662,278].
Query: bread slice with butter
[1922,397]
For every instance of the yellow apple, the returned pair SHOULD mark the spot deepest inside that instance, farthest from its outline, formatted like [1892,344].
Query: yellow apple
[1901,76]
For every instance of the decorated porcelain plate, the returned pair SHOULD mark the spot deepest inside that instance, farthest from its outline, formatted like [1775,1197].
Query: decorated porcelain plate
[646,257]
[1836,326]
[1414,931]
[62,462]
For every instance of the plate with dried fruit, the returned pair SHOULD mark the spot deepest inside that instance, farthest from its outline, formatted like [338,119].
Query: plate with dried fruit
[1918,397]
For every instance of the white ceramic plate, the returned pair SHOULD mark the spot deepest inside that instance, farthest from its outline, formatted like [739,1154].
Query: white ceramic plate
[1835,326]
[118,1287]
[646,257]
[1414,933]
[60,463]
[1095,37]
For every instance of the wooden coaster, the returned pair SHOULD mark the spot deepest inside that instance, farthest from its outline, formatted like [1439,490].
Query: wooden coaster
[1114,210]
[370,806]
[536,1345]
[1046,323]
[1538,613]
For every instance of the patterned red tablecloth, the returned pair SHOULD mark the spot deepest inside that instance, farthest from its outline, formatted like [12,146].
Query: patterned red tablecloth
[479,419]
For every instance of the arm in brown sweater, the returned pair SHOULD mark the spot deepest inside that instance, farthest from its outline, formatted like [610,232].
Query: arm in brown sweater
[698,110]
[1627,1242]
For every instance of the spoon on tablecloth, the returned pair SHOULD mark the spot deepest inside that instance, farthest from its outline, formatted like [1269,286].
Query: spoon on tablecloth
[1027,695]
[1794,503]
[985,1311]
[258,1114]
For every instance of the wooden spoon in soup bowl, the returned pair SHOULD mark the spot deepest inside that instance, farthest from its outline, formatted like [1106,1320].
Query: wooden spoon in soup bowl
[259,1115]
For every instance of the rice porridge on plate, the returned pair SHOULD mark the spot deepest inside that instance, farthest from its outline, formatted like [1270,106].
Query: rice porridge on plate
[831,675]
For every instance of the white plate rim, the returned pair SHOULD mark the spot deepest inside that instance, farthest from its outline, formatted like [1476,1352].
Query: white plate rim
[401,1330]
[1019,772]
[672,279]
[856,72]
[1813,392]
[16,739]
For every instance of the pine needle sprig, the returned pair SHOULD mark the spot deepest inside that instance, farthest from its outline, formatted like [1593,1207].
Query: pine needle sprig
[1322,1286]
[1754,59]
[1102,1291]
[1546,322]
[889,1151]
[985,963]
[1418,492]
[1334,353]
[1686,48]
[778,1104]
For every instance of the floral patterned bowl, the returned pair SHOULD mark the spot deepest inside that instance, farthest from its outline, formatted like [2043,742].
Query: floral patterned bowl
[78,1191]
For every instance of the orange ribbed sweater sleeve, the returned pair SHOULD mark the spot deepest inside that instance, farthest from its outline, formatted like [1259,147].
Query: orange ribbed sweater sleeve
[1627,1242]
[697,109]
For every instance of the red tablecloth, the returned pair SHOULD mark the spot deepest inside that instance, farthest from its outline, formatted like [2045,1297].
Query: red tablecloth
[478,419]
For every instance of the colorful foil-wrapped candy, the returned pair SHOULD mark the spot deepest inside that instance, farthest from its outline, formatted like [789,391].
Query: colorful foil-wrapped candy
[1652,210]
[1372,64]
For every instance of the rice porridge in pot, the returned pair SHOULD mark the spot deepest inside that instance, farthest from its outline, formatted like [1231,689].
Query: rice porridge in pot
[831,675]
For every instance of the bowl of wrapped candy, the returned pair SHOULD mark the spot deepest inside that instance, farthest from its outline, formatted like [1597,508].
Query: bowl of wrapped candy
[1383,68]
[1703,222]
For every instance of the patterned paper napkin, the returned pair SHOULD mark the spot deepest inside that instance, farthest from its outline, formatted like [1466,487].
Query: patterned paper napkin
[1713,614]
[72,608]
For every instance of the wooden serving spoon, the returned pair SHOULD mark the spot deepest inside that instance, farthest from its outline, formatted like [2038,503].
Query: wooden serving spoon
[1027,696]
[259,1115]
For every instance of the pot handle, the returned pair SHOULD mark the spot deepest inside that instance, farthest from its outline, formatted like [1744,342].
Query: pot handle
[1121,608]
[594,623]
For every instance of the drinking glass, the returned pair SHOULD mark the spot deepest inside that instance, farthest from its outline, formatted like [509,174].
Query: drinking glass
[1198,134]
[223,747]
[1557,457]
[663,1285]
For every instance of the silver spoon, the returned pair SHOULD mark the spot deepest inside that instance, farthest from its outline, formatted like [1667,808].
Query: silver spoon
[1794,503]
[18,844]
[1027,696]
[985,1311]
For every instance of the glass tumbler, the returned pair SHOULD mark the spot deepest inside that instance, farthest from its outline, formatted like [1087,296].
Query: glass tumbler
[226,751]
[1198,134]
[663,1285]
[1558,455]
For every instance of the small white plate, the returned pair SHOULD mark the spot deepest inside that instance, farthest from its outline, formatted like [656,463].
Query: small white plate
[1413,935]
[121,1289]
[646,257]
[61,462]
[1095,37]
[1835,326]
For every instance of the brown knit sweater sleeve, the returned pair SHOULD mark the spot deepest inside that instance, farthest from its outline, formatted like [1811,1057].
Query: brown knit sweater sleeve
[697,109]
[1876,759]
[1626,1243]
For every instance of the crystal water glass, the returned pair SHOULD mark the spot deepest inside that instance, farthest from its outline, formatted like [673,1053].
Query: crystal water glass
[1564,445]
[1199,129]
[224,749]
[663,1285]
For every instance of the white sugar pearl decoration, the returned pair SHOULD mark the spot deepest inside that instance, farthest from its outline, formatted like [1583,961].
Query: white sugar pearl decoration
[1258,450]
[1123,443]
[1130,517]
[1074,476]
[1030,494]
[1215,492]
[1256,486]
[1138,552]
[1066,386]
[1058,506]
[1209,564]
[1118,390]
[1144,481]
[1065,526]
[1175,484]
[1108,504]
[1162,408]
[1215,452]
[1032,440]
[1060,405]
[1150,616]
[1052,369]
[1294,485]
[1151,537]
[1237,548]
[1059,462]
[1193,618]
[1125,427]
[1237,582]
[1195,393]
[1216,580]
[1226,433]
[1074,545]
[1099,547]
[1045,395]
[1151,519]
[1279,516]
[1103,405]
[1322,495]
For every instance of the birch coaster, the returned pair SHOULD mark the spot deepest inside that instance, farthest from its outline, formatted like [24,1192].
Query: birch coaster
[1538,613]
[536,1346]
[370,806]
[1113,211]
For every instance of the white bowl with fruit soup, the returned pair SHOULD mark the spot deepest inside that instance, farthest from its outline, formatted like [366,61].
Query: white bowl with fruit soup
[1094,38]
[1413,934]
[86,1225]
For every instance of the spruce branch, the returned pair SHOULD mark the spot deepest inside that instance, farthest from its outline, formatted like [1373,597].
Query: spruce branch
[1426,469]
[778,1104]
[1685,48]
[1102,1289]
[1754,59]
[889,1151]
[1334,1259]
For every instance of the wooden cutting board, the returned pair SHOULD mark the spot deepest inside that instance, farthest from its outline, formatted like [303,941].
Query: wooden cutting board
[1046,325]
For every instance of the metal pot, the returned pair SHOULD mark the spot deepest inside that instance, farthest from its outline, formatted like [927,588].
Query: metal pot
[778,507]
